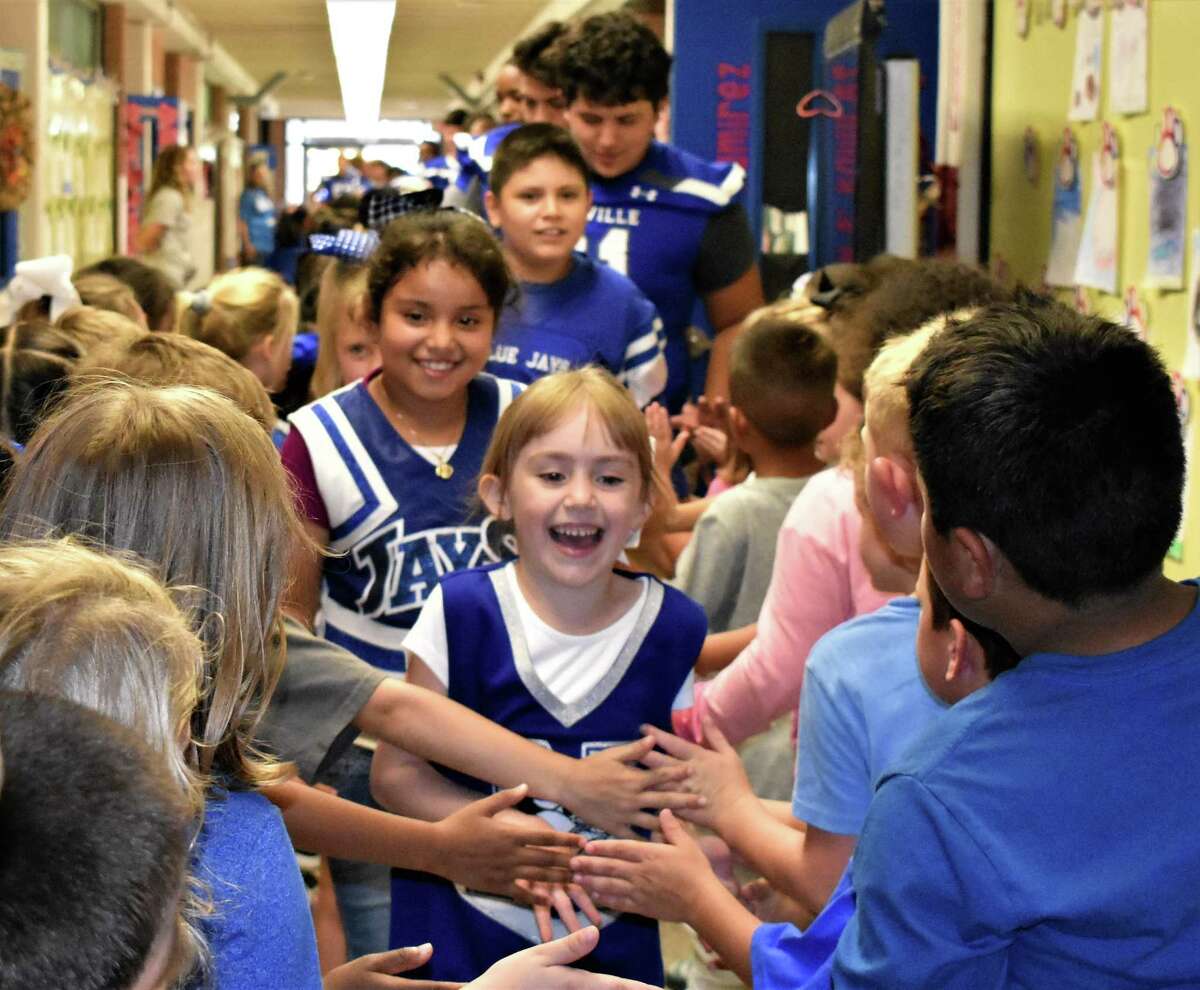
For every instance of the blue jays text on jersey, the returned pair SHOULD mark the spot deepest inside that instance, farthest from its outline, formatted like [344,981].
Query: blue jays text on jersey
[593,315]
[649,224]
[491,672]
[399,528]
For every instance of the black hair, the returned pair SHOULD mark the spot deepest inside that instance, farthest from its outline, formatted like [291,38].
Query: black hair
[36,360]
[612,59]
[536,56]
[155,291]
[529,143]
[1055,435]
[95,834]
[456,117]
[904,295]
[449,235]
[998,655]
[781,376]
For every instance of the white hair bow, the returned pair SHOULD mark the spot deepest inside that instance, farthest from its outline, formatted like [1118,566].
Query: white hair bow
[34,279]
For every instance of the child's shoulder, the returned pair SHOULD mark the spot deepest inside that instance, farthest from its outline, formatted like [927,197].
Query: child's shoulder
[691,181]
[871,638]
[676,610]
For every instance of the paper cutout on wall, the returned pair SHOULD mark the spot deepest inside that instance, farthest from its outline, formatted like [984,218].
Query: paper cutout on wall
[1079,296]
[1085,80]
[1137,315]
[1022,12]
[1096,265]
[1058,13]
[1128,41]
[1168,205]
[1031,156]
[1066,224]
[1191,354]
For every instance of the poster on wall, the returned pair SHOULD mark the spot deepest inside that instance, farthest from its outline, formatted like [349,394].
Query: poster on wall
[1096,265]
[1085,80]
[1168,205]
[1137,314]
[1066,223]
[1128,40]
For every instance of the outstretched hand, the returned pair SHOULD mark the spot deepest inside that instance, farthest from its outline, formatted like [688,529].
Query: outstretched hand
[547,967]
[657,879]
[489,847]
[717,773]
[608,789]
[378,972]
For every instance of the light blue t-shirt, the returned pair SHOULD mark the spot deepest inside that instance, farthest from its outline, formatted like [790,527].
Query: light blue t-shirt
[261,931]
[257,211]
[1041,834]
[864,701]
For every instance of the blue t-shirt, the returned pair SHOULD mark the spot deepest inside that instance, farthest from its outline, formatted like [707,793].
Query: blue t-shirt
[593,315]
[782,957]
[261,931]
[258,213]
[475,160]
[650,224]
[864,701]
[349,183]
[1042,834]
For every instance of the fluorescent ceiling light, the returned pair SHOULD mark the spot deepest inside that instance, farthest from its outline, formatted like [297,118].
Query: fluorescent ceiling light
[360,30]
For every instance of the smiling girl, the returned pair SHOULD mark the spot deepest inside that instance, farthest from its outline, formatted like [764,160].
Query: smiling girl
[384,471]
[557,646]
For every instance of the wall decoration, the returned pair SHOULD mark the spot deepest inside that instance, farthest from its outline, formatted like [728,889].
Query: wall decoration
[1085,80]
[1168,205]
[1058,13]
[1137,315]
[16,147]
[1128,41]
[1191,354]
[1022,18]
[1066,223]
[1096,265]
[1080,300]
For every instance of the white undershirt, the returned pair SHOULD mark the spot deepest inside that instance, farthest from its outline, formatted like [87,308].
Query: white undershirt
[570,666]
[436,455]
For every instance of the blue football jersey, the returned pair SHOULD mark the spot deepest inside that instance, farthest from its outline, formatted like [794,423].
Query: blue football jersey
[440,171]
[335,186]
[492,673]
[475,161]
[396,524]
[649,224]
[594,315]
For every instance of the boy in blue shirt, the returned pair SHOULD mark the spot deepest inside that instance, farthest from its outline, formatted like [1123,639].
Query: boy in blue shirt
[1042,834]
[572,310]
[669,220]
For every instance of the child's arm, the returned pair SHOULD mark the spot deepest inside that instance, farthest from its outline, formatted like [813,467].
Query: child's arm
[303,596]
[721,649]
[804,863]
[671,881]
[605,790]
[474,845]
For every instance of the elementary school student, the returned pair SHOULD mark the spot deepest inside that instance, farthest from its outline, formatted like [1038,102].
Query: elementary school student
[557,646]
[1040,835]
[572,310]
[781,380]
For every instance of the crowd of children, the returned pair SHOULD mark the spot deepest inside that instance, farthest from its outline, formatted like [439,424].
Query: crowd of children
[456,630]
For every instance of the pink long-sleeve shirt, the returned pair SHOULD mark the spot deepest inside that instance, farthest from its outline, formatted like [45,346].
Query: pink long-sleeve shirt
[818,582]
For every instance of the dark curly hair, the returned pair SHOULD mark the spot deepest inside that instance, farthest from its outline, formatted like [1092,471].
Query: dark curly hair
[449,235]
[536,55]
[611,59]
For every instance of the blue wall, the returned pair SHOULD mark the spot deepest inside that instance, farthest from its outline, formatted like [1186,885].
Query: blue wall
[715,41]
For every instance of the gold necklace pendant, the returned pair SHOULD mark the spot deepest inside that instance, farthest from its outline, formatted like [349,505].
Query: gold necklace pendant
[444,470]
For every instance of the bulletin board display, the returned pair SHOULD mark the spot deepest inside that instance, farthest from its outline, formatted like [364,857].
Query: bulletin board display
[1035,88]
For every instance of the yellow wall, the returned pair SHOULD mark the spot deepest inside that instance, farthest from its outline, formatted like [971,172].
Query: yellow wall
[1031,85]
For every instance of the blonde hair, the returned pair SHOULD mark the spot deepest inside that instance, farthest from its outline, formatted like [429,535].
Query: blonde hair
[885,409]
[549,400]
[99,630]
[193,485]
[238,309]
[91,326]
[343,293]
[108,292]
[173,359]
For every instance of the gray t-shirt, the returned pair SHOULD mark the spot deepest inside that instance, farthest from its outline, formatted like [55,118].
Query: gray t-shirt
[173,254]
[310,719]
[727,564]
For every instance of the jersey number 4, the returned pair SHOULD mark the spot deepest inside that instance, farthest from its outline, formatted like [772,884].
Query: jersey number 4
[613,249]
